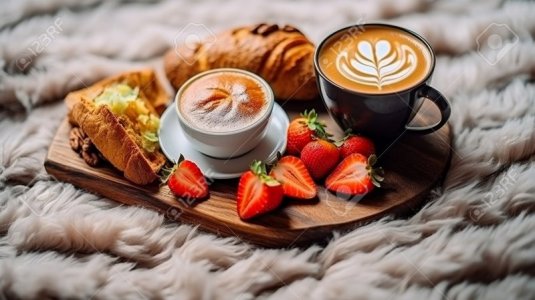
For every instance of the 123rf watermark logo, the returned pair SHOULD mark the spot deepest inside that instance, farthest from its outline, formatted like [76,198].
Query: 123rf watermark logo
[39,45]
[36,193]
[341,202]
[339,46]
[495,41]
[190,37]
[174,213]
[498,191]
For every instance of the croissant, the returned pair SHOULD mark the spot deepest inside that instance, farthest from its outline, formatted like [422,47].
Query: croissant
[283,56]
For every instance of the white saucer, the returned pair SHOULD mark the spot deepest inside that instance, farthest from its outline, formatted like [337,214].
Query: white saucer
[173,143]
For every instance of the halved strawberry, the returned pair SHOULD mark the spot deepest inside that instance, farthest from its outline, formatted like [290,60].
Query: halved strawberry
[304,130]
[186,180]
[355,175]
[258,193]
[296,182]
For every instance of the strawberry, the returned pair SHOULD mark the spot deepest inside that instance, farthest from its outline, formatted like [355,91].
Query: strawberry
[296,182]
[258,193]
[303,130]
[355,175]
[320,157]
[186,180]
[356,144]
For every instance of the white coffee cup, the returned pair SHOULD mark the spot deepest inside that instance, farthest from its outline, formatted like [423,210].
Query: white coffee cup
[226,144]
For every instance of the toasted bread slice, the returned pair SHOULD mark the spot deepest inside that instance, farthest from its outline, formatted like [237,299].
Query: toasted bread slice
[117,136]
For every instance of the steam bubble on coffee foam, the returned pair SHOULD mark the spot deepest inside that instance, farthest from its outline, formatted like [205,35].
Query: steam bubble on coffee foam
[377,64]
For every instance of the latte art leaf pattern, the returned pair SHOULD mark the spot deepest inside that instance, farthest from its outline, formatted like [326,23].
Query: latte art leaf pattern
[377,64]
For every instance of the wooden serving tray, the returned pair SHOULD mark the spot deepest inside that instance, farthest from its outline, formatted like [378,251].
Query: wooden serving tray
[412,166]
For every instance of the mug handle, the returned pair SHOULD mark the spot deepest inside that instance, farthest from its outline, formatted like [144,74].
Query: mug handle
[440,101]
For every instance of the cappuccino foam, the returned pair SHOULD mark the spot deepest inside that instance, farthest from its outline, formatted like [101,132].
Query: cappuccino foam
[375,59]
[224,101]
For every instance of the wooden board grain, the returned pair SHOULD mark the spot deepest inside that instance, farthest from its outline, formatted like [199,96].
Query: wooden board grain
[413,165]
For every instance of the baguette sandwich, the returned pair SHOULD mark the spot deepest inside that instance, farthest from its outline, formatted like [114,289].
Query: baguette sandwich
[120,115]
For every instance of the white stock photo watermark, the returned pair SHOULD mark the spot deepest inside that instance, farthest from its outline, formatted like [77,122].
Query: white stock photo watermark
[495,41]
[341,202]
[190,37]
[174,213]
[348,34]
[39,45]
[496,193]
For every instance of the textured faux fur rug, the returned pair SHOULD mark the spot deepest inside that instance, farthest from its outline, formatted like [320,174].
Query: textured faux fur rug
[474,239]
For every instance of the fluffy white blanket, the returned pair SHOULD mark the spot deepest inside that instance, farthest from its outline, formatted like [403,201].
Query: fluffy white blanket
[474,239]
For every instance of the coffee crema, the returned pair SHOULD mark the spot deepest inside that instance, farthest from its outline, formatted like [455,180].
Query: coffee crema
[223,101]
[375,59]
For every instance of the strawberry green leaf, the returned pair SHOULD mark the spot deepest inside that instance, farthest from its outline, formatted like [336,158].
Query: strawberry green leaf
[166,172]
[256,167]
[270,181]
